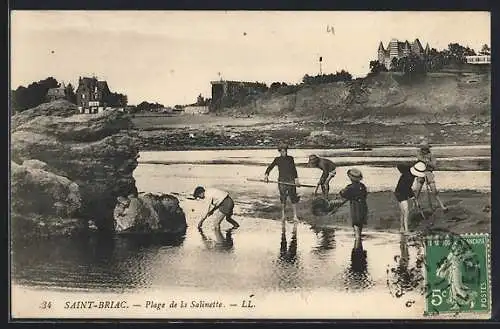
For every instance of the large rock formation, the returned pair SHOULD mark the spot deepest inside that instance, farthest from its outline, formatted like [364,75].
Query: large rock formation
[43,203]
[149,213]
[93,154]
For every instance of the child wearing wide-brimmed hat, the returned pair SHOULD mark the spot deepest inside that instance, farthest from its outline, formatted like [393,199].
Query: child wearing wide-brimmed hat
[404,191]
[356,193]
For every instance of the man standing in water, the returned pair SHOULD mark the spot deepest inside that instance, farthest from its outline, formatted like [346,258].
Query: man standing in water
[287,174]
[424,154]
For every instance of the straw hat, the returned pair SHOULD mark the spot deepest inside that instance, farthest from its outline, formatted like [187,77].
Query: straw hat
[418,169]
[355,174]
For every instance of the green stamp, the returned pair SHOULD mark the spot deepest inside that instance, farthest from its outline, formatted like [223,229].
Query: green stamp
[457,274]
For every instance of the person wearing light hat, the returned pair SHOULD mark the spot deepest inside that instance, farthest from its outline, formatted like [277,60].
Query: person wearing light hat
[356,193]
[328,168]
[287,173]
[404,191]
[424,155]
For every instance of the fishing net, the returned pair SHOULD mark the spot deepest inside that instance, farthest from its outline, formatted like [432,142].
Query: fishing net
[323,207]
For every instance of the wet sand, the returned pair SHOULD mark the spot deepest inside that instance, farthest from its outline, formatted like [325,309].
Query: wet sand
[225,132]
[468,213]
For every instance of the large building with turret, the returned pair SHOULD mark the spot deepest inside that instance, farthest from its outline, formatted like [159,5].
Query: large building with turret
[398,49]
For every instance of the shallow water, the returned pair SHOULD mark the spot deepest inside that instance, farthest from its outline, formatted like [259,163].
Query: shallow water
[259,256]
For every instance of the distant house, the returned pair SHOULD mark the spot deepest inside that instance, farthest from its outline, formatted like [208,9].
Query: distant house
[195,109]
[398,49]
[91,95]
[480,59]
[56,93]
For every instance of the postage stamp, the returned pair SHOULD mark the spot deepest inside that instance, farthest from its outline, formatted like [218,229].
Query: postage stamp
[457,274]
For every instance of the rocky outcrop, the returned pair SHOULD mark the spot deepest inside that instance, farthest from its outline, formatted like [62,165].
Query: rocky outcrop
[43,203]
[387,97]
[96,153]
[149,213]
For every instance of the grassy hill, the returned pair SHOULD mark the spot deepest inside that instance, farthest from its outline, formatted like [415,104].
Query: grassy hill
[388,98]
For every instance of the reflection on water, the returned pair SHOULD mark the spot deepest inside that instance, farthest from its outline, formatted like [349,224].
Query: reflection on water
[221,242]
[288,253]
[259,255]
[93,261]
[326,240]
[356,274]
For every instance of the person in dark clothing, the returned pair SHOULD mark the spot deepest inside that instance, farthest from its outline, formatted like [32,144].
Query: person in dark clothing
[356,193]
[328,169]
[404,193]
[287,174]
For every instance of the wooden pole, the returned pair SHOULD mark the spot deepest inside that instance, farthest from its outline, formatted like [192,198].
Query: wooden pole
[284,183]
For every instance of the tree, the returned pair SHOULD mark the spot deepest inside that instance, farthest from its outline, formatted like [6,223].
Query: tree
[457,53]
[28,97]
[327,78]
[395,65]
[116,100]
[70,93]
[146,106]
[200,101]
[376,67]
[485,50]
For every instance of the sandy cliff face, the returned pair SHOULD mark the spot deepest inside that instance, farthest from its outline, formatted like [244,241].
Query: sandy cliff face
[389,98]
[95,155]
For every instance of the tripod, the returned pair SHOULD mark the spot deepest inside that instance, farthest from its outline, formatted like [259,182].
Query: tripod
[429,192]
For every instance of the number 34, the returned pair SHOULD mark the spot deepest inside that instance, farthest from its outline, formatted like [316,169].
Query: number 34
[45,305]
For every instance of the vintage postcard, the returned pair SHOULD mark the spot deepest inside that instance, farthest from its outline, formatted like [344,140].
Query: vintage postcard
[250,165]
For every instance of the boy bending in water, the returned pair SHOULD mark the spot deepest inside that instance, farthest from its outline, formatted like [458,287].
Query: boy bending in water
[328,168]
[219,202]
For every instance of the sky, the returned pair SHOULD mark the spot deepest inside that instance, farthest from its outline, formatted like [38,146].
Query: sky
[170,57]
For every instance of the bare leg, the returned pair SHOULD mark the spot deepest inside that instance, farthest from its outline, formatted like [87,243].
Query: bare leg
[294,207]
[283,206]
[403,206]
[326,189]
[357,232]
[419,185]
[232,221]
[218,218]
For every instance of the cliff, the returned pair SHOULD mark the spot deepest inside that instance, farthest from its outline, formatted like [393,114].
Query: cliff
[387,98]
[89,158]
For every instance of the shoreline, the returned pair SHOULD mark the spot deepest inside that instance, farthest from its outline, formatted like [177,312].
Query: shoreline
[311,147]
[469,212]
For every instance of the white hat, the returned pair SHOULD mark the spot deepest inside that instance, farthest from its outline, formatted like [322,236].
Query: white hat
[418,169]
